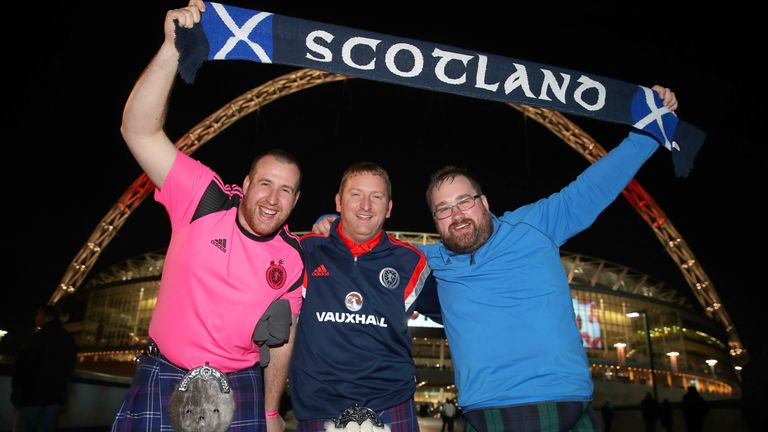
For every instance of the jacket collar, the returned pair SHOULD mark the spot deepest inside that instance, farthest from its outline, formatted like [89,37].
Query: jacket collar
[376,244]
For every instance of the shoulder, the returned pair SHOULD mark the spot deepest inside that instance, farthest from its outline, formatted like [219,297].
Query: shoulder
[519,214]
[405,250]
[290,239]
[185,166]
[310,241]
[430,250]
[397,243]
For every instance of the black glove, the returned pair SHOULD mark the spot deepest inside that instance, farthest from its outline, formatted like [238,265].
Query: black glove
[273,328]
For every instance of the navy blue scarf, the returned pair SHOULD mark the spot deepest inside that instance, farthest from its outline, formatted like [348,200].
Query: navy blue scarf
[233,33]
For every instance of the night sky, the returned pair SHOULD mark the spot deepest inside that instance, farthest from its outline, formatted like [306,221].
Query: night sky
[70,75]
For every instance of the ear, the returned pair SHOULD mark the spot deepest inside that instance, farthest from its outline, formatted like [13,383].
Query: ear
[338,203]
[389,209]
[485,202]
[246,184]
[295,200]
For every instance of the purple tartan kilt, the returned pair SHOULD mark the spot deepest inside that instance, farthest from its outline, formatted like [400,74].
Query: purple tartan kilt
[146,401]
[399,418]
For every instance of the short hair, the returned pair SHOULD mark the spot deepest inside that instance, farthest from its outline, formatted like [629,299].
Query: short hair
[449,172]
[366,168]
[50,311]
[281,155]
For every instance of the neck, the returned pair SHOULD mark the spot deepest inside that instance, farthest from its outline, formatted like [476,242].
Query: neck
[356,244]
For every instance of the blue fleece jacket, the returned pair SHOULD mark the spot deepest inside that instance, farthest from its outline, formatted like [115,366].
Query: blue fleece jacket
[507,307]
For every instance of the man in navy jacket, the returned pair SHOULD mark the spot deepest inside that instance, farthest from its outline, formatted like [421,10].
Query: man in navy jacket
[352,355]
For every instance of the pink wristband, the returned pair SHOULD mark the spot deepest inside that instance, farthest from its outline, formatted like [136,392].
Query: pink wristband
[272,414]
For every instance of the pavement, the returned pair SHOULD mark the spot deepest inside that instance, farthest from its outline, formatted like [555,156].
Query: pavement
[426,424]
[433,424]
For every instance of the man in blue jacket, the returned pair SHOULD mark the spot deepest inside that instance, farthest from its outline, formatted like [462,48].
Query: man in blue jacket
[502,276]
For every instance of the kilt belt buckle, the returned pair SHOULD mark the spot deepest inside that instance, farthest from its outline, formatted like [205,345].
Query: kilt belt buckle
[203,401]
[207,373]
[357,414]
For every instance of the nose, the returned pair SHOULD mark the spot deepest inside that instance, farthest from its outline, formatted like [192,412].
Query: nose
[456,211]
[365,203]
[272,197]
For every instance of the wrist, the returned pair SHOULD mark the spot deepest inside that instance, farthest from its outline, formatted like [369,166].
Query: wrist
[271,414]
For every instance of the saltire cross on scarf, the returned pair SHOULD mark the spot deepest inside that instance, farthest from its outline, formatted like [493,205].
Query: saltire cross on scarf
[234,33]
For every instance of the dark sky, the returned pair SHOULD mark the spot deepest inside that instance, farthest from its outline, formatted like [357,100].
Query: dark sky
[70,76]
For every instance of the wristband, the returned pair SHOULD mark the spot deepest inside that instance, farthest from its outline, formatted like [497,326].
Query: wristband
[271,414]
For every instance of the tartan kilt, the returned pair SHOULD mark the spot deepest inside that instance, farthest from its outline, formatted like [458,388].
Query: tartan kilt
[536,417]
[399,418]
[146,401]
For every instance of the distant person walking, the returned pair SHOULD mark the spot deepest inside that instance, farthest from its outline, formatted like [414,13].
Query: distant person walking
[44,366]
[754,390]
[447,413]
[650,410]
[694,409]
[666,415]
[607,413]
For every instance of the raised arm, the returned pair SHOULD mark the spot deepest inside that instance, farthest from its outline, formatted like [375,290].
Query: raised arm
[144,113]
[574,208]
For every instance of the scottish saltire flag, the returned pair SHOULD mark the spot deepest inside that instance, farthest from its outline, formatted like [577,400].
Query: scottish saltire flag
[238,34]
[654,118]
[233,33]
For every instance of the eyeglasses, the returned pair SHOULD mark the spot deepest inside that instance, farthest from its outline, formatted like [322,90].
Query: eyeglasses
[463,204]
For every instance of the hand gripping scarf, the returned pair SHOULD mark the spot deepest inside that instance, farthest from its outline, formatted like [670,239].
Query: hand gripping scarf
[233,33]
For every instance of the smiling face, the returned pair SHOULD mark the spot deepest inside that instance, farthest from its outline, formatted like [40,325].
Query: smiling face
[269,194]
[364,205]
[463,231]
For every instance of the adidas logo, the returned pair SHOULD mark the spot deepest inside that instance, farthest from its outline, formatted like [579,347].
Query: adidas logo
[321,271]
[220,243]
